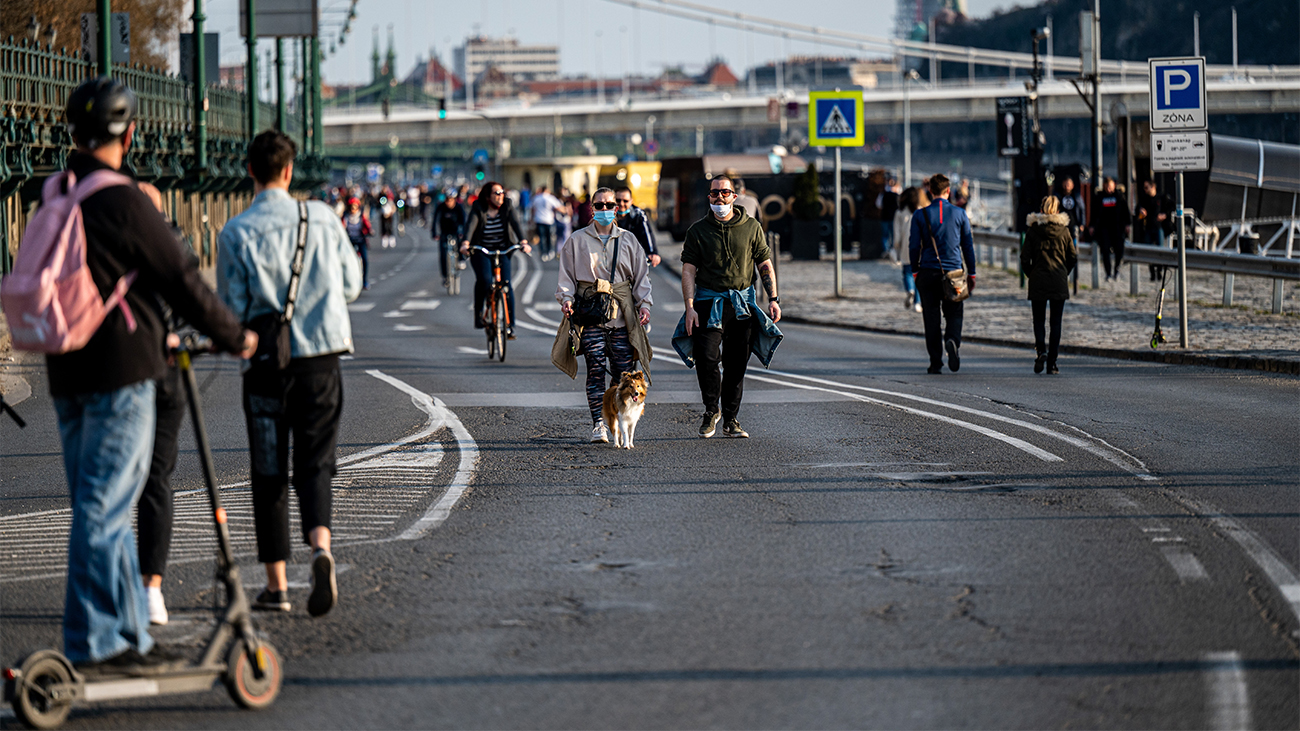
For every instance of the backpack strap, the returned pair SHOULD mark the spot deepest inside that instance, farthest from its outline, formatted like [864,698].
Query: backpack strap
[296,268]
[86,187]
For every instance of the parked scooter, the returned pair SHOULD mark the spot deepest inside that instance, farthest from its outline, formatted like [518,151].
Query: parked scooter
[45,685]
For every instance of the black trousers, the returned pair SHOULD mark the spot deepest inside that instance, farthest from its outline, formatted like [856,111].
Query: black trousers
[306,402]
[1111,244]
[727,349]
[1041,343]
[154,510]
[929,287]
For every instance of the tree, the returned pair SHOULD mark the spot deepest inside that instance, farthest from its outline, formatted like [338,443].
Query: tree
[154,24]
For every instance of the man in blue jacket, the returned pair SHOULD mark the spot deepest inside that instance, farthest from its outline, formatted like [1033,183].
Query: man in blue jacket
[941,242]
[253,270]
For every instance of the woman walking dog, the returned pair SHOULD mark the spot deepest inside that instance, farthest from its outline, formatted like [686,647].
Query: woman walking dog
[1047,258]
[602,259]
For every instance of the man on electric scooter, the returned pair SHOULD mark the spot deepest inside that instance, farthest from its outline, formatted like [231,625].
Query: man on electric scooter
[104,392]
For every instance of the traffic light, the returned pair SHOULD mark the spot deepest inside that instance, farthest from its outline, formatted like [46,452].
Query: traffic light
[478,172]
[442,108]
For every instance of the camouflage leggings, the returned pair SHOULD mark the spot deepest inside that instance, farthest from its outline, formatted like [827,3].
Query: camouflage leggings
[599,345]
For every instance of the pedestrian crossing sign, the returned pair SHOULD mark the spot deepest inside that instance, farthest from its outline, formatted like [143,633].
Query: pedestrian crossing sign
[835,118]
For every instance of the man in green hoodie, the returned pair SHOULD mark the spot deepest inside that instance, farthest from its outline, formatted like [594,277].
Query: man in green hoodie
[724,254]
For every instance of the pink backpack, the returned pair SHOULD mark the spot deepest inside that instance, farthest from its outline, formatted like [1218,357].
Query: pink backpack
[50,298]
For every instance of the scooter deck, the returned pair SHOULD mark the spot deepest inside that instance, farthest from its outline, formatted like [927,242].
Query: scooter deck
[186,680]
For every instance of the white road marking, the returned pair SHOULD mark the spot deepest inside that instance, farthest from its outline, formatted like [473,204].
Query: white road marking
[547,306]
[531,290]
[347,357]
[1266,558]
[396,313]
[419,293]
[1185,564]
[420,305]
[535,328]
[1020,444]
[402,327]
[1228,698]
[472,351]
[465,444]
[361,306]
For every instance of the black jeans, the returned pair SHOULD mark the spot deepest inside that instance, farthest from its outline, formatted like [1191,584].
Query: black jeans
[1111,244]
[728,348]
[929,287]
[1041,344]
[154,510]
[305,401]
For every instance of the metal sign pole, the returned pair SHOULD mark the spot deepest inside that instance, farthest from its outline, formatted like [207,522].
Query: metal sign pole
[839,234]
[1182,267]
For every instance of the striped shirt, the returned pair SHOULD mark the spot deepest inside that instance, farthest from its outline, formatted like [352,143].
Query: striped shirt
[494,232]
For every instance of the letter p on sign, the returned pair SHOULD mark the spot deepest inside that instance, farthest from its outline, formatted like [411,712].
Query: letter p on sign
[1183,80]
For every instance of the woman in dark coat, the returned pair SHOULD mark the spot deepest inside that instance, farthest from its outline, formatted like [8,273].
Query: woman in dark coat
[1047,258]
[492,224]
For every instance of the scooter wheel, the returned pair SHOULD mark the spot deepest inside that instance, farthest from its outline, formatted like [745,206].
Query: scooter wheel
[251,686]
[33,702]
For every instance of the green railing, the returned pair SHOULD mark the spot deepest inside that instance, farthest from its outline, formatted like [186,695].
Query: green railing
[35,82]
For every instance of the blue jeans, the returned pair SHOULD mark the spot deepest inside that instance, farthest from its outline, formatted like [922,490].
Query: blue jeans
[483,281]
[363,251]
[909,284]
[887,235]
[107,448]
[545,237]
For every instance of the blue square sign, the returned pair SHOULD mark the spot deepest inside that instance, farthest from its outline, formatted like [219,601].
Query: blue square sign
[836,118]
[1177,93]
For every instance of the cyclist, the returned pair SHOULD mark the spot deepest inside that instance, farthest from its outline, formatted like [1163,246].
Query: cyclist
[492,224]
[448,223]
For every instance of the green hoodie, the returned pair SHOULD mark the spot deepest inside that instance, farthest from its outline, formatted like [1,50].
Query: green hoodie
[725,253]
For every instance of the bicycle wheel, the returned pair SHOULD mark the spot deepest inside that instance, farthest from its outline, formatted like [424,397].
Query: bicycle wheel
[449,265]
[503,320]
[490,327]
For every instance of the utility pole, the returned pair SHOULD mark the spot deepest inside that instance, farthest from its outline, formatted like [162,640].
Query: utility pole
[304,100]
[250,72]
[317,127]
[280,115]
[1096,128]
[105,37]
[907,125]
[200,91]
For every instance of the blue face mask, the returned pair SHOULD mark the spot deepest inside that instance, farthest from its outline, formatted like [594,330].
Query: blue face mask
[604,218]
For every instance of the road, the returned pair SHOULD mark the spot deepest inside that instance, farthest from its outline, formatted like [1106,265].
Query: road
[1115,547]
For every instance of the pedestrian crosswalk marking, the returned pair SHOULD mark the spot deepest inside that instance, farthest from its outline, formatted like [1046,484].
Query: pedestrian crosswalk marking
[835,123]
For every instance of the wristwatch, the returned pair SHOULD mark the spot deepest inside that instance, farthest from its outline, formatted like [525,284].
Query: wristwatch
[774,299]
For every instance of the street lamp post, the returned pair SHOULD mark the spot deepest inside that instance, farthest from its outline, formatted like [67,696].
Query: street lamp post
[200,91]
[105,38]
[250,73]
[911,76]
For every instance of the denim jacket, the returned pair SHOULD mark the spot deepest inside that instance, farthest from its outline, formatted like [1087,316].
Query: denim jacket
[253,269]
[745,303]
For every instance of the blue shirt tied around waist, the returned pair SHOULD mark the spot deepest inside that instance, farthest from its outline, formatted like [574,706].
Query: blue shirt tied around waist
[745,303]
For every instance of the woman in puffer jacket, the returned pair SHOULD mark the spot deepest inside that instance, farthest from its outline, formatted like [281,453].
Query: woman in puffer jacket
[1047,258]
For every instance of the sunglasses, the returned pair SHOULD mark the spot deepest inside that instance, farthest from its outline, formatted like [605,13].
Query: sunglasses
[497,192]
[724,193]
[604,206]
[624,201]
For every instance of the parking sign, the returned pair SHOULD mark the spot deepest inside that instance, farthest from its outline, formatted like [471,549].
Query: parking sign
[1177,93]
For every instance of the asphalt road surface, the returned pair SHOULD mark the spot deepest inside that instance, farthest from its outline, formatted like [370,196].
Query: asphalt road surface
[1114,547]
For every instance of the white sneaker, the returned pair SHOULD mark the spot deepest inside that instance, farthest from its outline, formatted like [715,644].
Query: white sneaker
[157,607]
[599,433]
[917,306]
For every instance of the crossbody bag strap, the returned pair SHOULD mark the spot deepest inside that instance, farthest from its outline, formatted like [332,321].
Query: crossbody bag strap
[613,265]
[296,270]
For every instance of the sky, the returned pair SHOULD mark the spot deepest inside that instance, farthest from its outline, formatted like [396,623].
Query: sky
[593,35]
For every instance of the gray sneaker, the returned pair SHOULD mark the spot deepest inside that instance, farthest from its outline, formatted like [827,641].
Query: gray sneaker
[599,433]
[710,424]
[732,429]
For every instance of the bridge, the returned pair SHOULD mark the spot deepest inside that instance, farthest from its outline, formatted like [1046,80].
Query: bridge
[360,131]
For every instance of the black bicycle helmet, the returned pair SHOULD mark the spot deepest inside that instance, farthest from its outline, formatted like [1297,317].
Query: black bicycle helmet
[100,110]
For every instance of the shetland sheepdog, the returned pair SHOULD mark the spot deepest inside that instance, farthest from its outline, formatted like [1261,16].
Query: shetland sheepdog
[624,404]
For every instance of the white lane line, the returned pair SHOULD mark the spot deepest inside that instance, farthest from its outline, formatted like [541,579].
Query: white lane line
[1266,558]
[1228,699]
[361,306]
[531,290]
[1020,444]
[472,351]
[402,327]
[420,305]
[419,293]
[1185,564]
[396,313]
[547,306]
[465,444]
[536,328]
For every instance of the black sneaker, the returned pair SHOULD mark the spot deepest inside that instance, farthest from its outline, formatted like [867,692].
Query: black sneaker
[324,586]
[732,429]
[934,370]
[131,663]
[272,601]
[1052,370]
[710,424]
[954,359]
[1039,362]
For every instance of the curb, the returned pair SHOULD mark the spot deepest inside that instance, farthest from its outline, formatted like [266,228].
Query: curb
[1236,362]
[1233,362]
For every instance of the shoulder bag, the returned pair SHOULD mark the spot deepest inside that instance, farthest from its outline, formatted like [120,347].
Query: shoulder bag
[272,328]
[955,285]
[598,306]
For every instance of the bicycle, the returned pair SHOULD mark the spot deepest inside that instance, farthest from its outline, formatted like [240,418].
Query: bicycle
[496,310]
[451,264]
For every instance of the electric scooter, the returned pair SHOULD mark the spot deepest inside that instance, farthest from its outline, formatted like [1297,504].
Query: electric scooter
[45,685]
[1158,337]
